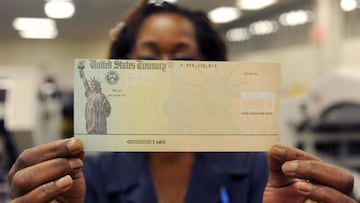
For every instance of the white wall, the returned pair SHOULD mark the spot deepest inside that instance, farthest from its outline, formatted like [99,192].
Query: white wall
[351,55]
[54,56]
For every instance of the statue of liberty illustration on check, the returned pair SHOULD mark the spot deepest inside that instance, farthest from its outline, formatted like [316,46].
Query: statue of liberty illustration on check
[97,107]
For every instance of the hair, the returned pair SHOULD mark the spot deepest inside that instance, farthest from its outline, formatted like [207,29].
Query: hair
[211,44]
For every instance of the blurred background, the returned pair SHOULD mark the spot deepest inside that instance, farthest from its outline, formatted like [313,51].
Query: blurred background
[316,41]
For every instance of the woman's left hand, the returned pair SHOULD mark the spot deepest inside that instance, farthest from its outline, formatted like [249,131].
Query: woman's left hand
[299,177]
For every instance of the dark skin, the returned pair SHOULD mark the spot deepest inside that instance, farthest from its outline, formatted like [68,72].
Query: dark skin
[49,173]
[296,176]
[52,172]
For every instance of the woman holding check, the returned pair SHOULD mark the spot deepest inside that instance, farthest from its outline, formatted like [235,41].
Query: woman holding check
[58,171]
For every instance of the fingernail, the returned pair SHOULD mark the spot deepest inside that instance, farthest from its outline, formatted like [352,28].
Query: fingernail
[305,187]
[64,182]
[278,151]
[290,167]
[74,146]
[75,163]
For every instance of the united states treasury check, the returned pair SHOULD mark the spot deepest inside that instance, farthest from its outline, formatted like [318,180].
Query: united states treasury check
[142,105]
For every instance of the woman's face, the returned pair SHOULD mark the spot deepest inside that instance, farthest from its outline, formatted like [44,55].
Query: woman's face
[166,36]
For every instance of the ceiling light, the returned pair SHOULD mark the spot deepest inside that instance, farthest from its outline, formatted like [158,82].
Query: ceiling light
[42,24]
[348,5]
[35,28]
[255,4]
[171,1]
[263,27]
[159,2]
[224,14]
[38,35]
[59,9]
[294,18]
[238,34]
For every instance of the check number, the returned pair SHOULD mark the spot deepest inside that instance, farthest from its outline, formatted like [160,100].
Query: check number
[257,101]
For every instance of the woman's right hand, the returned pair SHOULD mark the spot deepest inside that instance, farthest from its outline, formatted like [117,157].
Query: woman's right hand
[49,173]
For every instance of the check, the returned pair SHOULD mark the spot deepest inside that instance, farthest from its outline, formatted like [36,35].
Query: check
[143,105]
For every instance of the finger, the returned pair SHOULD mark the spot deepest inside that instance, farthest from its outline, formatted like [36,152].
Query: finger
[29,178]
[62,148]
[279,154]
[310,201]
[77,192]
[47,192]
[320,193]
[321,173]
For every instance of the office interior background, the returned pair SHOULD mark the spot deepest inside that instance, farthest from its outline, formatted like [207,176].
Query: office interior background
[317,43]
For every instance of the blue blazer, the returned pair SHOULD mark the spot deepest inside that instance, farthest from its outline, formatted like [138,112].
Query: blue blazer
[215,178]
